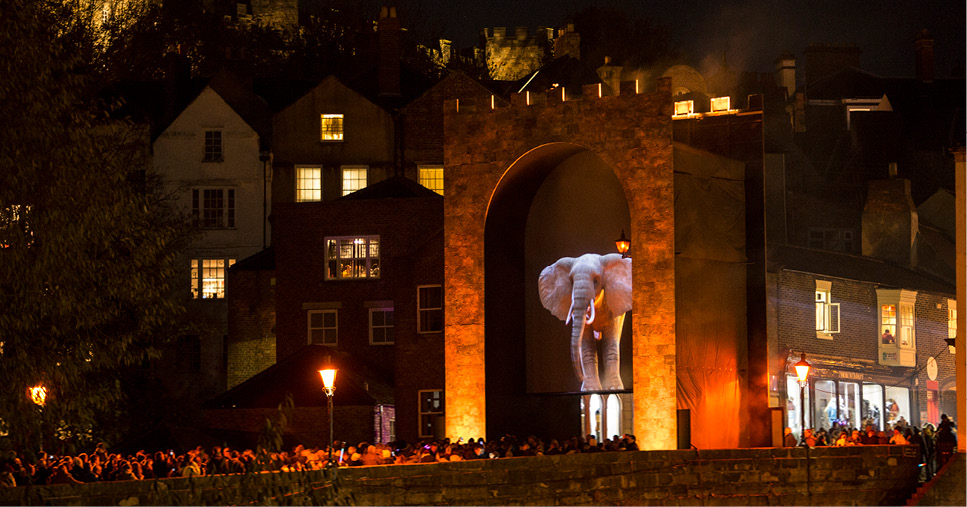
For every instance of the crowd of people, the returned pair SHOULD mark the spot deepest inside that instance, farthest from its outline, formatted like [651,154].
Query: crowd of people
[934,445]
[101,465]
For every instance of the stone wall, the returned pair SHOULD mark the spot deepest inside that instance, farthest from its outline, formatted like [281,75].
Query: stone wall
[861,475]
[501,155]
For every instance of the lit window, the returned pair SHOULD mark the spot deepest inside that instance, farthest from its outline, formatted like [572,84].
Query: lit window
[354,177]
[14,227]
[897,340]
[331,127]
[951,318]
[431,176]
[431,412]
[308,184]
[213,208]
[352,257]
[381,326]
[323,327]
[213,146]
[430,308]
[208,278]
[684,107]
[827,312]
[720,104]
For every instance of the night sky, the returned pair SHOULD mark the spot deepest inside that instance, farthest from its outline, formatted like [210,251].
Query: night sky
[751,32]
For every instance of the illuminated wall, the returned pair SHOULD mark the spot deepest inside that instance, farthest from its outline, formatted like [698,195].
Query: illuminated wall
[487,180]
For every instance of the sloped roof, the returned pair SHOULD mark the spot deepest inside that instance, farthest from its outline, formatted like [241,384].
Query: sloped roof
[298,374]
[263,260]
[853,267]
[565,71]
[393,187]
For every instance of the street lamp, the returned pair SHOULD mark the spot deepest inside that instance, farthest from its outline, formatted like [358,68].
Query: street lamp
[329,386]
[623,244]
[38,395]
[802,372]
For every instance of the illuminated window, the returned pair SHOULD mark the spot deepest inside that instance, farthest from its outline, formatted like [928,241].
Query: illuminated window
[720,104]
[14,227]
[684,107]
[330,127]
[431,176]
[352,257]
[827,312]
[308,183]
[429,308]
[323,327]
[897,340]
[431,412]
[213,146]
[213,208]
[381,326]
[354,177]
[951,318]
[208,278]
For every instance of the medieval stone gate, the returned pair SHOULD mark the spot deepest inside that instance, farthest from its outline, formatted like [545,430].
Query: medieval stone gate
[495,160]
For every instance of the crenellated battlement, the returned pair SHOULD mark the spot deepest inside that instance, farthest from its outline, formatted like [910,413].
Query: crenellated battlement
[629,93]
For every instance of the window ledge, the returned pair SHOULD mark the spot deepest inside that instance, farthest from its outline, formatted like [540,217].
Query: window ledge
[212,160]
[823,336]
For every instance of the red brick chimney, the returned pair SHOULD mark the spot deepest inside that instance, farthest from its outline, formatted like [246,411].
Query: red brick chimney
[390,52]
[924,48]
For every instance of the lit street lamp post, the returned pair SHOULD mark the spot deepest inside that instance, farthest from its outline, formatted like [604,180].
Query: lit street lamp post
[623,244]
[802,371]
[38,395]
[329,386]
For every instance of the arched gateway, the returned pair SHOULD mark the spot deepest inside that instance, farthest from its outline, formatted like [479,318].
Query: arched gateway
[524,185]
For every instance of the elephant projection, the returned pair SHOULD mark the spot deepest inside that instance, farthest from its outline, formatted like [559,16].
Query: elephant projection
[592,293]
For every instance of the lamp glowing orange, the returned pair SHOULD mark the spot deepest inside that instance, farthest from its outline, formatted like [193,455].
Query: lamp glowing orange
[623,244]
[328,379]
[802,369]
[37,394]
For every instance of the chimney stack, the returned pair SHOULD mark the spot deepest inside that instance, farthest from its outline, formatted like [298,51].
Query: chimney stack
[924,49]
[390,52]
[786,73]
[890,222]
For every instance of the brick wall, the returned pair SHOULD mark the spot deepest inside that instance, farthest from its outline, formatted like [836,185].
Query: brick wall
[251,324]
[411,254]
[859,475]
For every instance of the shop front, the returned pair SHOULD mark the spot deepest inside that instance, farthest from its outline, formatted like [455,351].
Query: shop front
[838,393]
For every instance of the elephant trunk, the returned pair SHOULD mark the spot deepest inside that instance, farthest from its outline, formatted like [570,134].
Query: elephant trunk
[582,296]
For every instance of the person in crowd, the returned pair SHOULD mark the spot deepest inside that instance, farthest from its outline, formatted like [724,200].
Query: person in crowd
[789,440]
[898,438]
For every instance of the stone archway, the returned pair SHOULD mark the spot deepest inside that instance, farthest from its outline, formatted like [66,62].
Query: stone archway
[490,170]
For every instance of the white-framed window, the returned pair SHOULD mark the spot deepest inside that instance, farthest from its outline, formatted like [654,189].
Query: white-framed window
[431,412]
[431,176]
[330,127]
[684,107]
[208,278]
[352,257]
[827,312]
[896,318]
[354,177]
[213,208]
[381,325]
[429,308]
[308,183]
[213,146]
[323,327]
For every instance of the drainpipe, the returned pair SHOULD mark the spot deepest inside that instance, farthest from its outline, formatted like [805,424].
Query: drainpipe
[264,156]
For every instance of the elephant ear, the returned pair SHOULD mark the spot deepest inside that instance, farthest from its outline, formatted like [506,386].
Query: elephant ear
[616,275]
[555,287]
